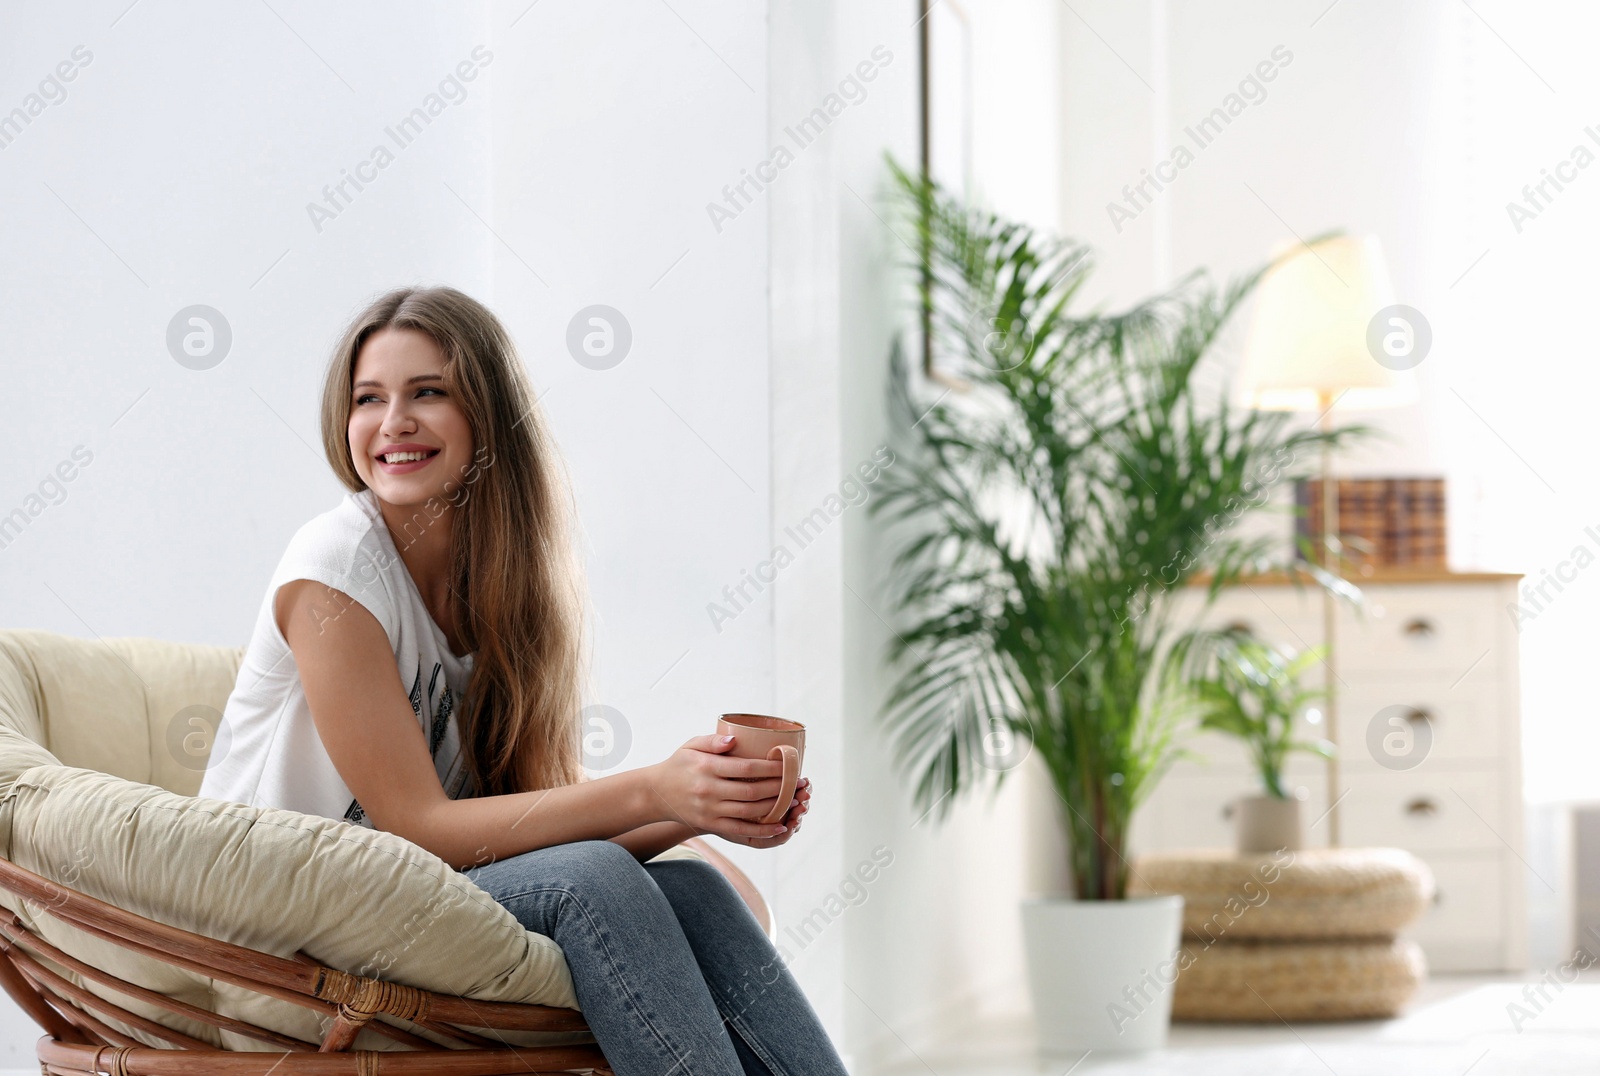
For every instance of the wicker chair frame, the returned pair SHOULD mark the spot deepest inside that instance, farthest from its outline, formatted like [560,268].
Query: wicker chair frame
[79,1043]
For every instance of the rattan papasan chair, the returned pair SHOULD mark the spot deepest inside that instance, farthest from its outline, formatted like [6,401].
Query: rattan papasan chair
[150,931]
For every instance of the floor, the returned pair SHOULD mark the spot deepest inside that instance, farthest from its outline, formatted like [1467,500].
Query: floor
[1457,1025]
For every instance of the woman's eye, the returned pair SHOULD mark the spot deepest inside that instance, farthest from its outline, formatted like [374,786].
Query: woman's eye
[371,396]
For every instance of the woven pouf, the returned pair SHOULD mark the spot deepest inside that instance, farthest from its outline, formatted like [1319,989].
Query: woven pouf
[1313,893]
[1307,935]
[1326,980]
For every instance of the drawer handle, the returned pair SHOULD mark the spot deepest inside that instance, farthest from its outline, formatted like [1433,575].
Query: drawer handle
[1419,627]
[1227,810]
[1422,805]
[1240,627]
[1419,715]
[1438,897]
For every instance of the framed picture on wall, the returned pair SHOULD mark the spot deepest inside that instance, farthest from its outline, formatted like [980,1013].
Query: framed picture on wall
[945,55]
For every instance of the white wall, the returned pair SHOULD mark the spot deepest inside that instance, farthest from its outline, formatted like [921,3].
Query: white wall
[805,597]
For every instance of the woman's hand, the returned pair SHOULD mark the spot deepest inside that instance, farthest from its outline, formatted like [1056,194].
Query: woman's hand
[797,811]
[702,787]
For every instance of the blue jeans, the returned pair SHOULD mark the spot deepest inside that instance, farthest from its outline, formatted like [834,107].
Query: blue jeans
[672,972]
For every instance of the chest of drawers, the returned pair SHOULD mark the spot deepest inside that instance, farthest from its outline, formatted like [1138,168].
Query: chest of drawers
[1429,739]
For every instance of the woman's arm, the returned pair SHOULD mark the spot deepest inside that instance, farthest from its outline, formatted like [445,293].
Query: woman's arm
[650,841]
[647,842]
[371,734]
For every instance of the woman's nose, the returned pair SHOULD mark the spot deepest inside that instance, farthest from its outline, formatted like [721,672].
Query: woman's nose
[399,419]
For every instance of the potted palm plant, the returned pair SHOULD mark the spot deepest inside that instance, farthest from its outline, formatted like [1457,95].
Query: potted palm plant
[1248,689]
[1051,509]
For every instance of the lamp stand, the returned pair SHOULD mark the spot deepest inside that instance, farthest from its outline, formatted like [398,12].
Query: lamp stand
[1330,562]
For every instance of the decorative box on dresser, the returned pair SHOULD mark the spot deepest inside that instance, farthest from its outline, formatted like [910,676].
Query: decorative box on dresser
[1429,738]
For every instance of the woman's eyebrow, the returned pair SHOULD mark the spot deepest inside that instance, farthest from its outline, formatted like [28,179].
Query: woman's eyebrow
[409,381]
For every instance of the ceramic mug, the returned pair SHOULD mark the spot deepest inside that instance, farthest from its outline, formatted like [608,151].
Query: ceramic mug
[760,736]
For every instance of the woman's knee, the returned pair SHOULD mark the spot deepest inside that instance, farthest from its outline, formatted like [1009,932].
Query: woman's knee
[695,871]
[604,863]
[579,867]
[695,880]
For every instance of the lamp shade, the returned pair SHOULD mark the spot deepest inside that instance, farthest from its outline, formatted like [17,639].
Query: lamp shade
[1310,336]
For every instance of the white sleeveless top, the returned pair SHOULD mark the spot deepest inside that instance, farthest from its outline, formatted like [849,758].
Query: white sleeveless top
[267,752]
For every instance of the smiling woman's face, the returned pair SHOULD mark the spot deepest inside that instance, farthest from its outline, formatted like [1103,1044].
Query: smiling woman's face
[399,403]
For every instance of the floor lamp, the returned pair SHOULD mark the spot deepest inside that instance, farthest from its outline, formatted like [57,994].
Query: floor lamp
[1322,314]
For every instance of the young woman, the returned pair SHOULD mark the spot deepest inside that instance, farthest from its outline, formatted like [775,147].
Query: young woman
[417,667]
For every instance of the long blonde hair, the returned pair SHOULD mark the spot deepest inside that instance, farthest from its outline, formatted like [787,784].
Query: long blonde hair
[515,581]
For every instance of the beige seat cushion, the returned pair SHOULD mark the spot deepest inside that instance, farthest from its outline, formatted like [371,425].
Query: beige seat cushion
[363,901]
[124,706]
[359,900]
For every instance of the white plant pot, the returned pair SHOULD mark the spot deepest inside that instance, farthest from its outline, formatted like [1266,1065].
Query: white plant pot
[1102,971]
